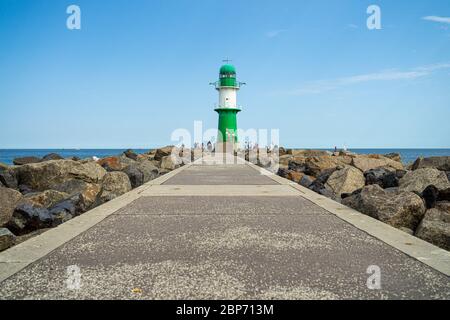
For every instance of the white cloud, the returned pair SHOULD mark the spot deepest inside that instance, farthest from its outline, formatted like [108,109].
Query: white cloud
[274,33]
[320,86]
[437,19]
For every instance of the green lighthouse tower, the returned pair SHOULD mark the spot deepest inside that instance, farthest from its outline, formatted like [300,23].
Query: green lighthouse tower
[227,108]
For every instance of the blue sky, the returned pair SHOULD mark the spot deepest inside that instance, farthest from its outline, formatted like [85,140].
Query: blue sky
[139,69]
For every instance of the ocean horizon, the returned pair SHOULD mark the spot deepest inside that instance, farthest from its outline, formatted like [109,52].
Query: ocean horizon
[408,155]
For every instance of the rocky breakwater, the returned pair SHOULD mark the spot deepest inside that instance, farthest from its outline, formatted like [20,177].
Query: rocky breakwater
[413,198]
[37,194]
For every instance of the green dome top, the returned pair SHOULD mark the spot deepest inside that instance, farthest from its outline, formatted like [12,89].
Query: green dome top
[227,69]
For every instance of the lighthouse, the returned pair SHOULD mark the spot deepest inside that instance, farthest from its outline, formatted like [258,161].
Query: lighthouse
[228,86]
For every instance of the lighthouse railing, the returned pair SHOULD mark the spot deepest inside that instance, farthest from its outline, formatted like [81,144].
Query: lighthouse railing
[218,85]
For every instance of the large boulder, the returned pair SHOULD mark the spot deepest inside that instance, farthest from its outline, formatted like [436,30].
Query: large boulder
[306,181]
[8,178]
[435,228]
[368,162]
[284,159]
[45,199]
[52,156]
[397,208]
[297,164]
[148,169]
[46,175]
[63,212]
[394,156]
[27,218]
[85,194]
[295,176]
[318,185]
[164,152]
[111,164]
[440,163]
[131,154]
[418,180]
[171,162]
[9,199]
[315,165]
[141,172]
[114,185]
[26,160]
[135,175]
[6,239]
[385,178]
[310,153]
[346,180]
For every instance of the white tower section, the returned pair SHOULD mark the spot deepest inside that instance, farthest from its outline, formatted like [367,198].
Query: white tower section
[227,97]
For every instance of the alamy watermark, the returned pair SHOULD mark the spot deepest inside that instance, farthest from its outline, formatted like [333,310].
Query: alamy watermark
[73,280]
[374,280]
[374,20]
[73,22]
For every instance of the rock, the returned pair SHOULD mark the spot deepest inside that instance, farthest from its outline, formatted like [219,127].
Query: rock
[283,171]
[6,239]
[45,199]
[111,164]
[399,209]
[170,162]
[135,175]
[84,193]
[52,156]
[295,176]
[46,175]
[394,156]
[315,165]
[383,177]
[366,163]
[131,154]
[26,160]
[400,173]
[62,212]
[346,180]
[329,194]
[24,189]
[430,195]
[284,159]
[443,205]
[440,163]
[346,195]
[310,153]
[306,181]
[8,178]
[297,164]
[9,199]
[448,175]
[27,218]
[418,180]
[114,185]
[435,228]
[164,152]
[148,169]
[444,195]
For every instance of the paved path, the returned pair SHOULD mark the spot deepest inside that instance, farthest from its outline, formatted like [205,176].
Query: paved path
[223,232]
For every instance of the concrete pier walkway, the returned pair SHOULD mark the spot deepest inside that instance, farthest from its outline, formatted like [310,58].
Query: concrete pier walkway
[210,231]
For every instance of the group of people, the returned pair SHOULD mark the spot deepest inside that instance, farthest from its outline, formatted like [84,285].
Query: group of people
[201,146]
